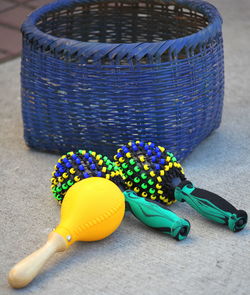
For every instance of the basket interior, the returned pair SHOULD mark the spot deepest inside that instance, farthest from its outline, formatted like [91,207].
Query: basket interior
[123,22]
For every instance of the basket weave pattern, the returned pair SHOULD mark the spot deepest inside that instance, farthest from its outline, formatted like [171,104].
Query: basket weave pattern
[99,73]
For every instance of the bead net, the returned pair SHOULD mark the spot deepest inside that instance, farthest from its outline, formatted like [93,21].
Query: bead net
[75,166]
[149,169]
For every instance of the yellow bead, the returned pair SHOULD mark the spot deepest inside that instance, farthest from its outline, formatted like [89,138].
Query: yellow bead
[136,189]
[100,163]
[159,179]
[65,175]
[117,164]
[53,173]
[137,142]
[162,172]
[72,171]
[146,167]
[170,165]
[130,143]
[144,194]
[119,150]
[160,192]
[63,157]
[182,171]
[166,167]
[52,180]
[76,178]
[104,169]
[149,142]
[113,174]
[158,186]
[98,157]
[152,197]
[142,158]
[121,160]
[162,198]
[107,176]
[93,154]
[52,186]
[55,168]
[115,157]
[152,173]
[129,183]
[175,164]
[128,155]
[161,148]
[71,153]
[60,179]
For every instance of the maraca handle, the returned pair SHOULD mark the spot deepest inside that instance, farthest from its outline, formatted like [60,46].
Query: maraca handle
[28,268]
[157,217]
[211,206]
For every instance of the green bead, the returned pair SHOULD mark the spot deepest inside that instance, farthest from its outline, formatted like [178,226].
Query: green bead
[65,186]
[124,165]
[151,191]
[115,167]
[150,182]
[105,158]
[108,162]
[144,186]
[174,159]
[170,154]
[70,182]
[54,190]
[136,179]
[59,189]
[110,167]
[132,161]
[130,172]
[143,175]
[54,195]
[58,197]
[137,169]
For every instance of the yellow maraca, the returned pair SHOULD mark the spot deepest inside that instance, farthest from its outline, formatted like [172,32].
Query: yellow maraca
[92,209]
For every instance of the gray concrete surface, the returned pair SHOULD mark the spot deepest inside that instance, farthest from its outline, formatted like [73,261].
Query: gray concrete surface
[135,260]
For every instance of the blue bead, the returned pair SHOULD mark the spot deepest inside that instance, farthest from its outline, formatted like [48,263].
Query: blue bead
[65,160]
[125,149]
[59,165]
[57,174]
[86,155]
[93,166]
[135,148]
[157,166]
[153,159]
[159,154]
[74,156]
[81,167]
[119,155]
[141,143]
[68,165]
[62,169]
[157,149]
[86,175]
[152,145]
[90,160]
[149,152]
[146,147]
[162,161]
[78,161]
[99,174]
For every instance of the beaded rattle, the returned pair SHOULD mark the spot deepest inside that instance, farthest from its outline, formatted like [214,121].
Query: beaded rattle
[75,166]
[152,172]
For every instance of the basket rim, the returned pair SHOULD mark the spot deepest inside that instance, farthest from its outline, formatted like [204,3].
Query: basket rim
[118,51]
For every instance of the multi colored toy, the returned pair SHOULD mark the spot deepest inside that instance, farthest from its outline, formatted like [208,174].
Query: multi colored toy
[92,210]
[153,172]
[74,166]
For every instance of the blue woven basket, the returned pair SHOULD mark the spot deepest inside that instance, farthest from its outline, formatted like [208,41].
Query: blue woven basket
[96,74]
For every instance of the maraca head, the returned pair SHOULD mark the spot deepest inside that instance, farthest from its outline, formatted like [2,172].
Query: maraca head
[92,209]
[75,166]
[149,170]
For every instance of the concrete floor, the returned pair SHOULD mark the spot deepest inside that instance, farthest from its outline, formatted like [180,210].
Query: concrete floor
[135,260]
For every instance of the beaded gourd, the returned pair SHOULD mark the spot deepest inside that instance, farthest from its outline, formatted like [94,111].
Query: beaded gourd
[148,170]
[75,166]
